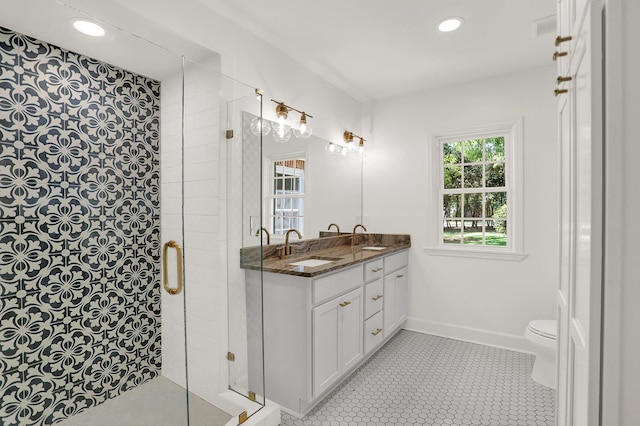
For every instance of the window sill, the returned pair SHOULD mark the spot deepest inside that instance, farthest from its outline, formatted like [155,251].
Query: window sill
[477,254]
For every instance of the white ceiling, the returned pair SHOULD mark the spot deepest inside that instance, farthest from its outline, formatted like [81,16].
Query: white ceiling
[371,49]
[374,49]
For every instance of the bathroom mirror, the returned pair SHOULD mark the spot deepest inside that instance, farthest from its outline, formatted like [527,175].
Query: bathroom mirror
[304,186]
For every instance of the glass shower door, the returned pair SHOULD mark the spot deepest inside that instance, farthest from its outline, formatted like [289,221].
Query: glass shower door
[244,207]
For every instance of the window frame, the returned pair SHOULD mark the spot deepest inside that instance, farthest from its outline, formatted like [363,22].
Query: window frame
[513,134]
[269,179]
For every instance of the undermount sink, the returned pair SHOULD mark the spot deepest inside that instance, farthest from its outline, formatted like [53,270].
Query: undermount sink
[373,248]
[315,261]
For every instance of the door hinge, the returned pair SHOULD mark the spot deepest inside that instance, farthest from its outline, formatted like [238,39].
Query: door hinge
[230,134]
[231,356]
[252,396]
[242,417]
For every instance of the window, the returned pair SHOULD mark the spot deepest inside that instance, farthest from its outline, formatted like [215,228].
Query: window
[474,196]
[479,192]
[287,195]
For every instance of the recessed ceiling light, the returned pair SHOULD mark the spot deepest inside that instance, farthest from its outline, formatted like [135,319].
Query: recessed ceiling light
[88,28]
[450,24]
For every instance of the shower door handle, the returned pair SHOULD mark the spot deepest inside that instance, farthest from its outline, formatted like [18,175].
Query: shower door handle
[165,277]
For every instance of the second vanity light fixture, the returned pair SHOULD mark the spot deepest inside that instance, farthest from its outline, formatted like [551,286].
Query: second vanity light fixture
[282,130]
[348,139]
[349,144]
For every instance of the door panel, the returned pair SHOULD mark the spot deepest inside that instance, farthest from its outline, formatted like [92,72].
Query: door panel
[326,364]
[351,329]
[579,303]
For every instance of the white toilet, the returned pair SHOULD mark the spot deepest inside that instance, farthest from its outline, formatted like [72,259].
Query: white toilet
[542,335]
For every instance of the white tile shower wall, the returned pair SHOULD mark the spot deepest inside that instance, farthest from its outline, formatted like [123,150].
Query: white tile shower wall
[205,284]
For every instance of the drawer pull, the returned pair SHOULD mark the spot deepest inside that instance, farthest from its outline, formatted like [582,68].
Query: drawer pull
[375,333]
[562,40]
[557,92]
[342,305]
[400,276]
[378,297]
[562,79]
[376,270]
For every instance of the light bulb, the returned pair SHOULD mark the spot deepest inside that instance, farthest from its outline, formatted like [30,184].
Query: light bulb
[281,132]
[344,151]
[303,134]
[450,24]
[305,130]
[330,148]
[258,126]
[89,28]
[282,112]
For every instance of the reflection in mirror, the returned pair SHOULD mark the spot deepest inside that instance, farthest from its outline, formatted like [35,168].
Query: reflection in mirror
[303,186]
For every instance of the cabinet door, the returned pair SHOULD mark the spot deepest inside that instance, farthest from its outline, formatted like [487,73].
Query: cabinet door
[351,326]
[402,295]
[389,304]
[326,362]
[396,288]
[337,338]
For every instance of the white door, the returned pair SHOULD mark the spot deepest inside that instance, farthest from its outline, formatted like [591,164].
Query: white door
[579,300]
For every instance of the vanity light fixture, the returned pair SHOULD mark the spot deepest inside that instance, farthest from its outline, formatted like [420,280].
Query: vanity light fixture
[89,28]
[348,139]
[282,130]
[450,24]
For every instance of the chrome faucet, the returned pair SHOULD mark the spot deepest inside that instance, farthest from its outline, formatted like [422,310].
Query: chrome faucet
[354,236]
[264,230]
[287,249]
[333,224]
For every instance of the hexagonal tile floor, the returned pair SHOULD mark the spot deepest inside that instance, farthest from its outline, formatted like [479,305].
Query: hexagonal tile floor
[429,380]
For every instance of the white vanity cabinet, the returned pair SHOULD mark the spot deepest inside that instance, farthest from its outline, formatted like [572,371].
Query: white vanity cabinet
[318,329]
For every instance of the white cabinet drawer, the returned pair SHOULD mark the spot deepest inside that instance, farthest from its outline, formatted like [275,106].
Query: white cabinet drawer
[330,286]
[373,270]
[396,261]
[373,297]
[373,334]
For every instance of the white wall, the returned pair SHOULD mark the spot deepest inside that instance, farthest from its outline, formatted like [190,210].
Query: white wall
[251,60]
[488,301]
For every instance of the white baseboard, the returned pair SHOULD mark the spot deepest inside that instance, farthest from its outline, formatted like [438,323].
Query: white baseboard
[469,334]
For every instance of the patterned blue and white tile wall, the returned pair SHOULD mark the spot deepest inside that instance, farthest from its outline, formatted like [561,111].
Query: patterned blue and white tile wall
[79,231]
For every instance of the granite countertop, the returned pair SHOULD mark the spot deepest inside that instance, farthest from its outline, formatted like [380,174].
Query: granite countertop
[337,249]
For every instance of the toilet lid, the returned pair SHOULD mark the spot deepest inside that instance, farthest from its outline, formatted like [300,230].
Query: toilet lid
[544,328]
